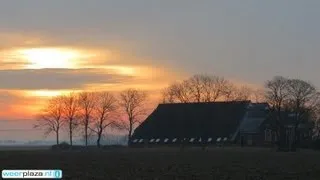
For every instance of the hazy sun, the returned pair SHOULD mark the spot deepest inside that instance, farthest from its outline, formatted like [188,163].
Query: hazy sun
[47,93]
[37,58]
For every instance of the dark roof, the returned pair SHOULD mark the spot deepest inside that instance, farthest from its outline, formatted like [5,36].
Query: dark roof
[191,120]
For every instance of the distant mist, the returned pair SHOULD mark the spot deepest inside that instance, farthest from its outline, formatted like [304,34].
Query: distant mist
[107,140]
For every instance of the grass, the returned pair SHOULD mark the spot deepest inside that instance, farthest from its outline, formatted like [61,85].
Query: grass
[170,163]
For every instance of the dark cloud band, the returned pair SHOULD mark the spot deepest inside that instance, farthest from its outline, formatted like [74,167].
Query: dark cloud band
[54,79]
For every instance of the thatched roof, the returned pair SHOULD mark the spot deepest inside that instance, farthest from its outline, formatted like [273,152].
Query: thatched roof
[193,120]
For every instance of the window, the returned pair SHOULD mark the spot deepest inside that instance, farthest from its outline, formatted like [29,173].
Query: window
[219,139]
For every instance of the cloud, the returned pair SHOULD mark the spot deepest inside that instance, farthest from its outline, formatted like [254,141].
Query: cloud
[31,79]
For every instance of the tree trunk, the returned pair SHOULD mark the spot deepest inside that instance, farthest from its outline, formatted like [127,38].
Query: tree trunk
[130,131]
[99,139]
[86,133]
[57,137]
[70,132]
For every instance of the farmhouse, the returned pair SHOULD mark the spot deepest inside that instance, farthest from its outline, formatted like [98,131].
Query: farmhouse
[241,122]
[199,123]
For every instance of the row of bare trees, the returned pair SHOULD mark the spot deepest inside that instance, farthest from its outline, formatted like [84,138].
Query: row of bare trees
[92,112]
[207,88]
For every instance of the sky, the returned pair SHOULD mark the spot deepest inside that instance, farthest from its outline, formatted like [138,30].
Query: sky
[52,47]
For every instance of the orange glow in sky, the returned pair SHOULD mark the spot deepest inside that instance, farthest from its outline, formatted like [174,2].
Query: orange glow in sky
[79,63]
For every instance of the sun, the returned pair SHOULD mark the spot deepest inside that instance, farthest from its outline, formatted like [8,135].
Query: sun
[39,58]
[47,93]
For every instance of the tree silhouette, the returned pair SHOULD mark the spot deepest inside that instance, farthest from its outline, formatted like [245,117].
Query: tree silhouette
[104,113]
[132,102]
[87,105]
[71,110]
[50,118]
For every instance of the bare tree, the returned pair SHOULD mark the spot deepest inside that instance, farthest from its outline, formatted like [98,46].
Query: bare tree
[198,88]
[302,100]
[277,93]
[213,88]
[132,102]
[178,92]
[301,95]
[167,96]
[295,96]
[276,96]
[71,110]
[233,93]
[258,96]
[87,104]
[104,113]
[50,118]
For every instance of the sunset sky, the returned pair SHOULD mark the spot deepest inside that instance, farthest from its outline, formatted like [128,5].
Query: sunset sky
[51,47]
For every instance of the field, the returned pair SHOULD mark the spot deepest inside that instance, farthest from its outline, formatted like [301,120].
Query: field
[131,164]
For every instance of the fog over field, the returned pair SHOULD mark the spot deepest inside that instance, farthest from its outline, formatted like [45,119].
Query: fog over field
[111,140]
[21,132]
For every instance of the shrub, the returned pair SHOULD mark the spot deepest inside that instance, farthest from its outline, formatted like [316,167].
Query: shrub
[61,146]
[113,147]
